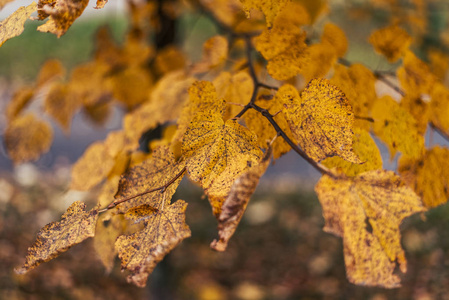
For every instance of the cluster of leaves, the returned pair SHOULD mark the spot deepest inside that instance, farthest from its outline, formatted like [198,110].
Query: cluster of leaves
[227,128]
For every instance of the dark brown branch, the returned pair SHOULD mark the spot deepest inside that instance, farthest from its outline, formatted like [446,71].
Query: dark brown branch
[162,188]
[440,131]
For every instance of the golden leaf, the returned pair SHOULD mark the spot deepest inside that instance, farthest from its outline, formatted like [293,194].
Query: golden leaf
[169,59]
[235,204]
[294,13]
[164,230]
[13,25]
[87,172]
[439,63]
[381,199]
[315,8]
[217,152]
[358,84]
[396,128]
[21,98]
[100,4]
[321,120]
[366,150]
[60,105]
[27,137]
[235,89]
[439,106]
[62,15]
[51,70]
[265,131]
[270,8]
[391,41]
[215,52]
[151,174]
[419,110]
[335,38]
[428,175]
[75,226]
[224,10]
[321,58]
[415,76]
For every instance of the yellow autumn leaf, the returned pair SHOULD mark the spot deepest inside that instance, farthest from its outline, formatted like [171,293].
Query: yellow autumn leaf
[428,175]
[150,174]
[381,199]
[100,4]
[21,98]
[236,202]
[62,15]
[217,152]
[439,63]
[315,8]
[335,38]
[397,128]
[264,130]
[215,52]
[75,226]
[391,41]
[420,110]
[13,25]
[415,76]
[60,106]
[358,84]
[27,137]
[321,120]
[235,89]
[366,150]
[294,13]
[52,69]
[439,107]
[224,10]
[99,113]
[169,59]
[320,59]
[164,230]
[270,8]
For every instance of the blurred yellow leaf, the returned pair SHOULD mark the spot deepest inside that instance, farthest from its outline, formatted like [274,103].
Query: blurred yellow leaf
[235,203]
[12,26]
[224,10]
[217,153]
[315,8]
[150,174]
[75,226]
[164,229]
[428,175]
[27,137]
[50,70]
[21,98]
[419,109]
[439,107]
[60,105]
[335,38]
[270,8]
[215,52]
[396,128]
[321,58]
[366,150]
[169,59]
[62,15]
[321,120]
[378,198]
[391,41]
[439,63]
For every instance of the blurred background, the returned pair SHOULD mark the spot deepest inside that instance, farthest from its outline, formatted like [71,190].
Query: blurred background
[279,250]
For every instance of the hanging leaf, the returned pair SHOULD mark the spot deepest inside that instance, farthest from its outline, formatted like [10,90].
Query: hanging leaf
[75,226]
[321,120]
[381,199]
[13,25]
[164,230]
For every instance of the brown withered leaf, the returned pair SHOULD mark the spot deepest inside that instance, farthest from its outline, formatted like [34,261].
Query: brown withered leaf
[75,226]
[235,204]
[151,174]
[62,15]
[21,98]
[12,26]
[217,153]
[382,200]
[27,137]
[60,105]
[164,230]
[321,120]
[428,175]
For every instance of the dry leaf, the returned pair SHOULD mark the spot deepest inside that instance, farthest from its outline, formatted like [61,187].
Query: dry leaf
[13,25]
[235,204]
[75,226]
[27,137]
[381,199]
[321,120]
[164,230]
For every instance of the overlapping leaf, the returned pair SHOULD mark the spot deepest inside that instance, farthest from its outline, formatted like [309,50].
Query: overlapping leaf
[215,52]
[27,137]
[75,226]
[381,199]
[391,41]
[270,8]
[235,204]
[20,100]
[60,105]
[321,120]
[164,229]
[12,26]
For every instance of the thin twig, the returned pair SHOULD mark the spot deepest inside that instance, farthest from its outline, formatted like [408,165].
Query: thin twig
[440,131]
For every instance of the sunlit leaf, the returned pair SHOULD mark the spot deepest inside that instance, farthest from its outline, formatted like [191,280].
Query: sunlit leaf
[321,58]
[391,41]
[270,8]
[335,38]
[100,4]
[21,98]
[439,106]
[169,59]
[164,230]
[381,199]
[215,52]
[60,105]
[235,204]
[50,70]
[75,226]
[12,26]
[27,137]
[321,120]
